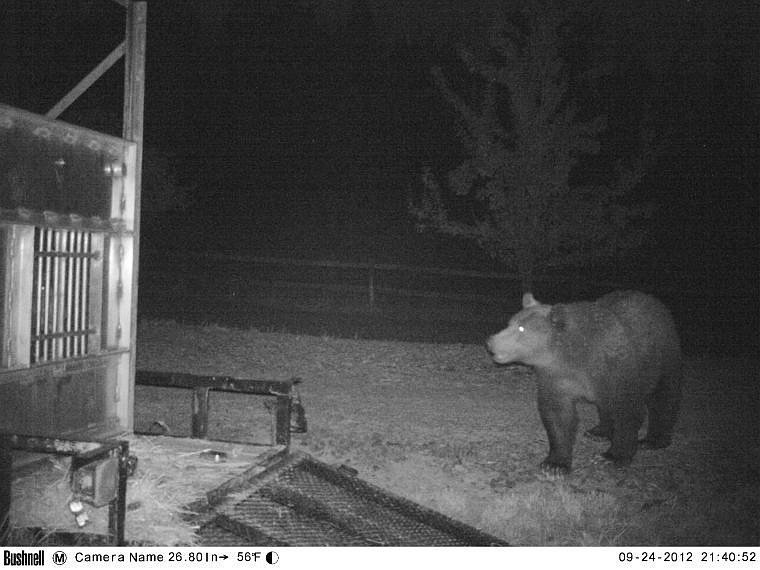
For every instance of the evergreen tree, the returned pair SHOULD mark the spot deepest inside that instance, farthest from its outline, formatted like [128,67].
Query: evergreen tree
[524,137]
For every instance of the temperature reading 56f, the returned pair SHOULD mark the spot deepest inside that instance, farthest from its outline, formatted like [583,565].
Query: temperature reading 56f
[249,556]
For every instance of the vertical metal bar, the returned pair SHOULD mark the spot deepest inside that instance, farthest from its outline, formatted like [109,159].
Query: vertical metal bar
[56,294]
[18,283]
[62,295]
[69,290]
[117,510]
[77,247]
[38,294]
[46,316]
[134,96]
[95,302]
[72,292]
[76,290]
[83,322]
[87,262]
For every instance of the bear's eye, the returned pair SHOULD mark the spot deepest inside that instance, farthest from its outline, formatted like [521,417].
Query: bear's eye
[521,328]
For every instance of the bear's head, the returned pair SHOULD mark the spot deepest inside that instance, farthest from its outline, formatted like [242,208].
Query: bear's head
[527,339]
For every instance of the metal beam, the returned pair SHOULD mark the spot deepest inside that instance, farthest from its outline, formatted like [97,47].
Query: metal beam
[87,82]
[134,97]
[134,74]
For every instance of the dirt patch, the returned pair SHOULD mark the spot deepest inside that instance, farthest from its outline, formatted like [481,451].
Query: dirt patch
[443,426]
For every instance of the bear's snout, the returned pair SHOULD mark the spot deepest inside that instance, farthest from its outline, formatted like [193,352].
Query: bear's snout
[489,345]
[495,352]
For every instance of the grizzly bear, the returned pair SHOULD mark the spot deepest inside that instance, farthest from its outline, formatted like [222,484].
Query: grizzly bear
[620,352]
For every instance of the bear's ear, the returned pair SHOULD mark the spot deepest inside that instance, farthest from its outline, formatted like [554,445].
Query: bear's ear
[528,301]
[558,317]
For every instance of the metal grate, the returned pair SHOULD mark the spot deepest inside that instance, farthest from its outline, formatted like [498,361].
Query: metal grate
[60,294]
[307,503]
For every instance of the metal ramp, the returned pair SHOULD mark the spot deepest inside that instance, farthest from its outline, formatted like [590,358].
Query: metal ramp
[300,501]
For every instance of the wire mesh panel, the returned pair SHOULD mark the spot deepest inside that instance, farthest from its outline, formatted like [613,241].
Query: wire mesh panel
[303,502]
[61,294]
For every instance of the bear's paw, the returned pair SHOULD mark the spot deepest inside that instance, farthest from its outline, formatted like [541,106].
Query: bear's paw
[554,470]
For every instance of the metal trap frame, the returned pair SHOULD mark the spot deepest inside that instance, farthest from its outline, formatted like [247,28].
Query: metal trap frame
[98,472]
[300,501]
[287,399]
[284,498]
[99,468]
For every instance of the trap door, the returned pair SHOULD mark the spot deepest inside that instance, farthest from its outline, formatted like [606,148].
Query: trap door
[67,251]
[300,501]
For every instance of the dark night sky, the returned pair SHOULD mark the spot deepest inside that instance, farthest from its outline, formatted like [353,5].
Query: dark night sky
[301,125]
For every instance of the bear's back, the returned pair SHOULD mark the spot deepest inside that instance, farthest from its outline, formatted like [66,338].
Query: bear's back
[647,323]
[626,335]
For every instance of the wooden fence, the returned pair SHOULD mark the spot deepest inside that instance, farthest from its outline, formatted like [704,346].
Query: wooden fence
[236,289]
[252,276]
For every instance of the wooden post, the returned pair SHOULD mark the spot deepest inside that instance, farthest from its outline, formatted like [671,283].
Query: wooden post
[134,97]
[372,287]
[200,411]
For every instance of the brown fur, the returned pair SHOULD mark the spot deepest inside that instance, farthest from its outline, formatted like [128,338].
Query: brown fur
[620,352]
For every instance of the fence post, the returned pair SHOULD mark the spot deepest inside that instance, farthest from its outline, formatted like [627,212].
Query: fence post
[372,287]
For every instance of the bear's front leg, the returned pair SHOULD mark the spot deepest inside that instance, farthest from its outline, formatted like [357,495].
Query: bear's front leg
[560,420]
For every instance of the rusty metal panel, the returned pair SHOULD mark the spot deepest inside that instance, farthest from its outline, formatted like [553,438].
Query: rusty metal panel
[47,165]
[55,400]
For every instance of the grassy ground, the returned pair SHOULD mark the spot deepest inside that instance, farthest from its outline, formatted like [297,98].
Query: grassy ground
[443,426]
